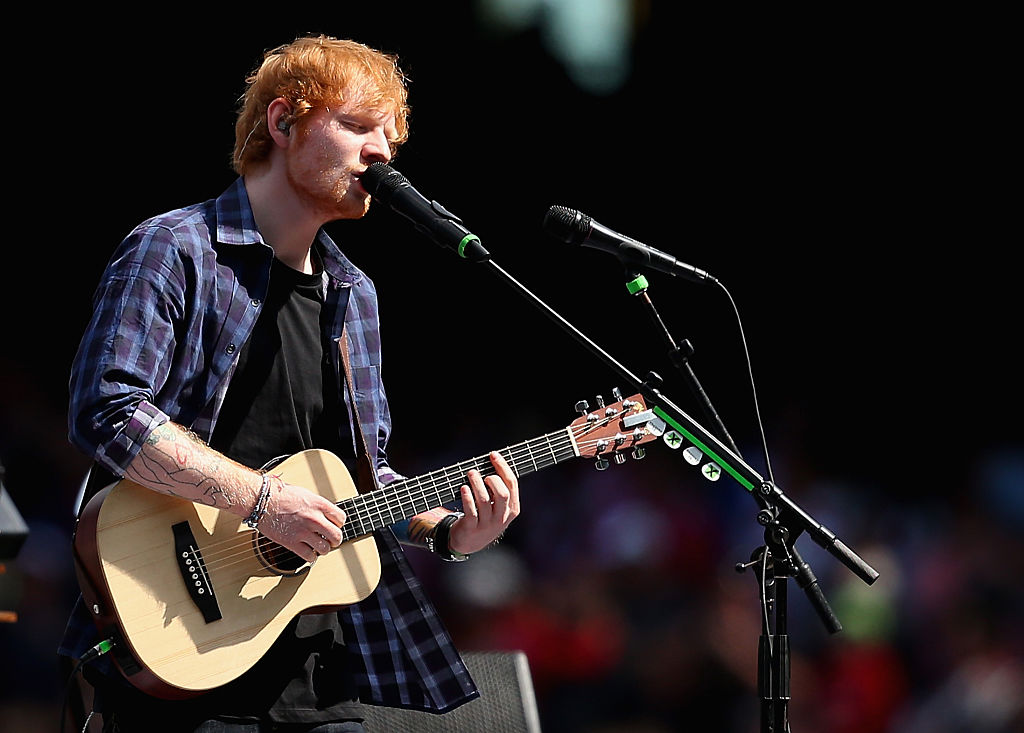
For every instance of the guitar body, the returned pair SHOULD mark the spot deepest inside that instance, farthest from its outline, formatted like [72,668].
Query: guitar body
[130,553]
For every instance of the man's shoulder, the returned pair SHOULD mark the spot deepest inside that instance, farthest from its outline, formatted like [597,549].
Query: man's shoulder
[202,218]
[186,218]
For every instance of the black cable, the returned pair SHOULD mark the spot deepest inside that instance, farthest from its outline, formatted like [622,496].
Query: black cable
[97,651]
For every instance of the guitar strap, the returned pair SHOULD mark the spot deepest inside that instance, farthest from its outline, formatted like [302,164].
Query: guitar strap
[366,475]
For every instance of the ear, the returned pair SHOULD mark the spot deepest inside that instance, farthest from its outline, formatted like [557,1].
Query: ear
[279,120]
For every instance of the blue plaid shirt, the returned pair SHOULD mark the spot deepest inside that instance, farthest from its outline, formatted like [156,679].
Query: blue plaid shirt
[178,299]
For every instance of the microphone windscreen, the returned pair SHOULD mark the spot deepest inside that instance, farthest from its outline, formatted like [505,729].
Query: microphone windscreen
[567,225]
[381,180]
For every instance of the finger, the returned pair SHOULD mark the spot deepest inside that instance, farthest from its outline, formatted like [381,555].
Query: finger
[469,503]
[503,469]
[499,493]
[334,513]
[511,481]
[503,513]
[481,495]
[305,551]
[329,540]
[319,544]
[331,532]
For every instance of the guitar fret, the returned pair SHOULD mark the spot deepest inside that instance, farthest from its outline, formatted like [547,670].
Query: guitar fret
[380,514]
[407,508]
[552,451]
[532,457]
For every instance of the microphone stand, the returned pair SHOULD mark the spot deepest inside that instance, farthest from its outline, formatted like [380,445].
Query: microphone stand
[782,518]
[679,352]
[772,563]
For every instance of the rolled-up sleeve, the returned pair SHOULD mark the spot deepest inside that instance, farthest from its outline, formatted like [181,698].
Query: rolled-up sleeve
[126,353]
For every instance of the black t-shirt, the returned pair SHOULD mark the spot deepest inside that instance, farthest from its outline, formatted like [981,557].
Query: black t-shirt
[283,396]
[282,399]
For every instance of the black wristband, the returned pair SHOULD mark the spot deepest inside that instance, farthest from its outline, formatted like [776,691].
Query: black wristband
[442,539]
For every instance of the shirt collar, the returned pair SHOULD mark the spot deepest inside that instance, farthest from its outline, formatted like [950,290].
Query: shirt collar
[235,222]
[237,225]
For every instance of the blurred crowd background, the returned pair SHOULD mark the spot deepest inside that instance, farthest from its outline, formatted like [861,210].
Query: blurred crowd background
[843,174]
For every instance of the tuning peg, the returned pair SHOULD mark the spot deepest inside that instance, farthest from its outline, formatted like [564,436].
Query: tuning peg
[617,394]
[599,400]
[619,458]
[639,453]
[582,406]
[601,464]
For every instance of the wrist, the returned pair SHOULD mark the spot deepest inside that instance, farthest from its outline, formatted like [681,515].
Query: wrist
[259,507]
[439,539]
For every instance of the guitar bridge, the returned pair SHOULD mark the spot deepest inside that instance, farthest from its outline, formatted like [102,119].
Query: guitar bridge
[193,571]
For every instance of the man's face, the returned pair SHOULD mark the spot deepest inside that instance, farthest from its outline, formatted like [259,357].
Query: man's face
[332,148]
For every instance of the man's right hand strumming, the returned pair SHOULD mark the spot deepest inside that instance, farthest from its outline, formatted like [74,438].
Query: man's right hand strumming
[301,520]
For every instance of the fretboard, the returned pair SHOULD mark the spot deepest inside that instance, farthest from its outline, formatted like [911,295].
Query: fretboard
[408,497]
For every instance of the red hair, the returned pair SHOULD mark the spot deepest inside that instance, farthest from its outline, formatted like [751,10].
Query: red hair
[316,71]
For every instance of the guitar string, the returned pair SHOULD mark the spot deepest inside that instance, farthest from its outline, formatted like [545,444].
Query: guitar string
[230,551]
[242,553]
[369,509]
[421,491]
[454,476]
[372,502]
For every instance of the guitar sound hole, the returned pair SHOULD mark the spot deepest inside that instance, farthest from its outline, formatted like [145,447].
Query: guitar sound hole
[277,558]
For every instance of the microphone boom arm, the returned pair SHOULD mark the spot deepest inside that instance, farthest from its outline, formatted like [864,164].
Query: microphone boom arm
[764,492]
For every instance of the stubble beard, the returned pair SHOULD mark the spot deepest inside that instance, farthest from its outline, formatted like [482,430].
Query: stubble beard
[328,192]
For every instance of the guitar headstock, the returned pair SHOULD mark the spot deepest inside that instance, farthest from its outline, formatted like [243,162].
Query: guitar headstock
[611,429]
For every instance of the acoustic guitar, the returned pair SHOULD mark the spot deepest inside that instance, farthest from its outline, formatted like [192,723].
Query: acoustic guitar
[192,597]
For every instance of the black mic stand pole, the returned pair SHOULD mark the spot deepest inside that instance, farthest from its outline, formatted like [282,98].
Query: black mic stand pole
[773,564]
[679,352]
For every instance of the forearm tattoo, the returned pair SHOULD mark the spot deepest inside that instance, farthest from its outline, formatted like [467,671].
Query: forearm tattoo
[177,462]
[422,525]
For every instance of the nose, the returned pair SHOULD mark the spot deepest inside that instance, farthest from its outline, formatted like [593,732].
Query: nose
[377,148]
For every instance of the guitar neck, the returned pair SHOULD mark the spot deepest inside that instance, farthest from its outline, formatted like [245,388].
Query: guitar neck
[406,498]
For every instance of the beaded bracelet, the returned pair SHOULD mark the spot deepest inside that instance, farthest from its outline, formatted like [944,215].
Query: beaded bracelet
[261,503]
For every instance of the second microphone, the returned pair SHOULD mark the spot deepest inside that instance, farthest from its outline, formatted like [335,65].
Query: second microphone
[572,227]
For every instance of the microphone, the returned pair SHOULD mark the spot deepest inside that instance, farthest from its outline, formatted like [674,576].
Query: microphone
[429,217]
[572,227]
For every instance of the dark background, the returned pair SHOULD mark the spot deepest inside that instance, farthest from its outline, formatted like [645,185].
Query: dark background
[847,179]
